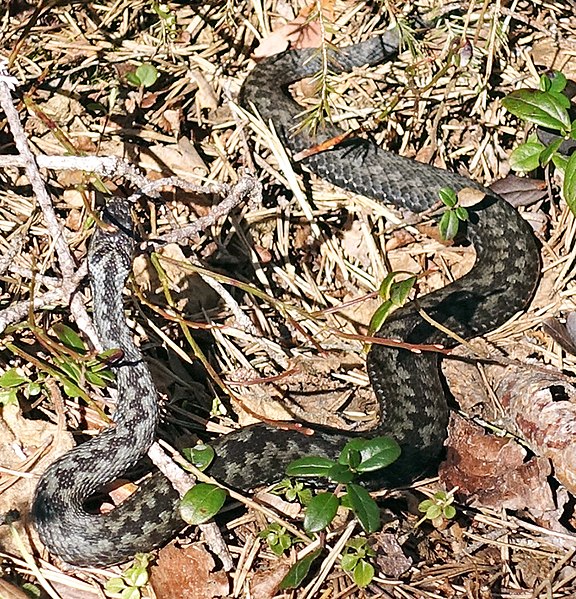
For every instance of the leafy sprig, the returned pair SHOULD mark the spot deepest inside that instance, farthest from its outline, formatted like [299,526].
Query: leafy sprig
[546,107]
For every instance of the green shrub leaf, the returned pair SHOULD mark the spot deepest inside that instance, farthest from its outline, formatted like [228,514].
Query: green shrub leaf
[201,502]
[69,337]
[363,573]
[448,197]
[549,151]
[538,107]
[380,316]
[201,456]
[569,187]
[375,453]
[320,512]
[299,571]
[340,473]
[558,82]
[526,157]
[310,466]
[448,225]
[12,378]
[364,507]
[400,290]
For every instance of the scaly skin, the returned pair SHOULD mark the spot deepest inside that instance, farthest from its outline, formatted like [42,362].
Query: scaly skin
[407,385]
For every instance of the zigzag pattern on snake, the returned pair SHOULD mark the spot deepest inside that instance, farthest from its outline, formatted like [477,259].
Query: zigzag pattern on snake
[408,386]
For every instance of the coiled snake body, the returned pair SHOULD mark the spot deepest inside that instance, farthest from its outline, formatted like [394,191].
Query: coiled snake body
[408,386]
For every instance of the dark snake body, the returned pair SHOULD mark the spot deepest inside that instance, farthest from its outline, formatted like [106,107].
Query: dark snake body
[408,386]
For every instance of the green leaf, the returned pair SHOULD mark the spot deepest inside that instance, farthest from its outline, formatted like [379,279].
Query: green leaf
[545,83]
[33,389]
[364,507]
[375,454]
[448,225]
[12,378]
[561,99]
[558,82]
[380,316]
[310,466]
[461,213]
[552,148]
[363,574]
[449,512]
[136,576]
[569,187]
[560,162]
[132,78]
[9,397]
[115,585]
[320,512]
[526,157]
[349,561]
[573,130]
[299,571]
[69,337]
[433,512]
[448,197]
[147,74]
[538,107]
[72,369]
[201,502]
[70,388]
[96,379]
[386,285]
[425,505]
[201,456]
[131,593]
[400,290]
[340,473]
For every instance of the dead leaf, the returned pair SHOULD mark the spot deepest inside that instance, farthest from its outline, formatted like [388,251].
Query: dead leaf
[170,120]
[206,97]
[168,160]
[299,33]
[9,591]
[355,245]
[187,573]
[519,191]
[264,584]
[469,197]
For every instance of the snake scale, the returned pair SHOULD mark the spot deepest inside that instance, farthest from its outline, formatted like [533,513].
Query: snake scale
[408,387]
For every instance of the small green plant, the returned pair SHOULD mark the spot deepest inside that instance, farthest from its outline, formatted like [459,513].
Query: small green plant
[79,364]
[358,457]
[293,490]
[453,215]
[277,538]
[167,20]
[438,509]
[355,560]
[545,107]
[394,294]
[13,382]
[129,585]
[73,366]
[145,75]
[204,500]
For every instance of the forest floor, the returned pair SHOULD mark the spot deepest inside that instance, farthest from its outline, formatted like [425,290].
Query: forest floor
[156,86]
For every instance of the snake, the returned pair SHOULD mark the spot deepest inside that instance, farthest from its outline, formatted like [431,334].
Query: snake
[409,388]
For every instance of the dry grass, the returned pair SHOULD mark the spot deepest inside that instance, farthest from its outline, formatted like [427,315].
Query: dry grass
[316,251]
